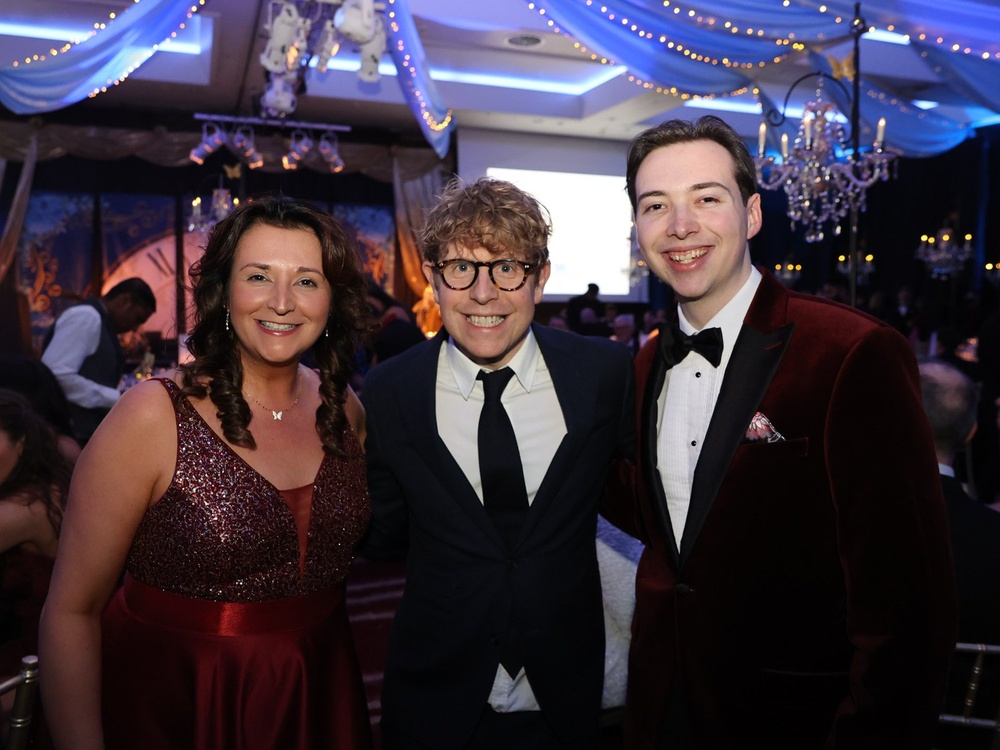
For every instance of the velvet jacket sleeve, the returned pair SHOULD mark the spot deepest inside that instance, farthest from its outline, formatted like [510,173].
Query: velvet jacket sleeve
[894,548]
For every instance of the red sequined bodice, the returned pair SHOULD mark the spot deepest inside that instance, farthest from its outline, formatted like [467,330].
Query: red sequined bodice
[221,531]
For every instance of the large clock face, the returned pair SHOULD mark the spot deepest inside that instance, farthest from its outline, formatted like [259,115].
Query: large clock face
[156,263]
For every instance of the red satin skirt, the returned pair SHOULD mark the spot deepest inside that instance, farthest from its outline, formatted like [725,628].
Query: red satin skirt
[185,673]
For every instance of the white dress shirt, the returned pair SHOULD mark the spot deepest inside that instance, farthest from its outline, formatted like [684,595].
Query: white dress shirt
[533,408]
[690,391]
[76,336]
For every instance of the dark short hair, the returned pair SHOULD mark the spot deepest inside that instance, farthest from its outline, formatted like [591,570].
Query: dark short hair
[489,213]
[707,128]
[951,401]
[137,289]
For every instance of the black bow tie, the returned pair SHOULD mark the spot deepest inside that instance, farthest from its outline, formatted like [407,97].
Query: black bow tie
[675,345]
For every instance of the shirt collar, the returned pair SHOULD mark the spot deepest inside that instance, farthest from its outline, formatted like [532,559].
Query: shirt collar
[730,317]
[524,364]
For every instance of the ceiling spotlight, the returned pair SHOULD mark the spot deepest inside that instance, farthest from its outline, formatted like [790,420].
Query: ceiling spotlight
[371,53]
[299,145]
[305,33]
[329,45]
[329,149]
[243,143]
[283,29]
[355,19]
[278,99]
[212,138]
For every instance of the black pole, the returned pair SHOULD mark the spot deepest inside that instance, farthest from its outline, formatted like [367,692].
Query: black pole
[857,29]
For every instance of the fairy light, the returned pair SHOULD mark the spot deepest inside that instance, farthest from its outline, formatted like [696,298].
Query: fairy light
[98,28]
[664,40]
[409,81]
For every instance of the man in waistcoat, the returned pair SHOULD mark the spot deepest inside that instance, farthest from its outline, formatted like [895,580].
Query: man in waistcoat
[84,354]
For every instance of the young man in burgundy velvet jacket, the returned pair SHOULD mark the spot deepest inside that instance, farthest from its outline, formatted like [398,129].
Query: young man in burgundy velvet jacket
[796,590]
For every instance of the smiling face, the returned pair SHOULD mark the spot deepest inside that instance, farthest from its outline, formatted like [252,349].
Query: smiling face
[487,325]
[279,299]
[692,225]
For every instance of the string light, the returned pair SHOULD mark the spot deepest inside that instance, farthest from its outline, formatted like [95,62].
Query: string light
[100,27]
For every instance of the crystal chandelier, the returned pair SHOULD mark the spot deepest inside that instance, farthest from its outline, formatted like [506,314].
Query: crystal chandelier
[823,178]
[942,253]
[203,217]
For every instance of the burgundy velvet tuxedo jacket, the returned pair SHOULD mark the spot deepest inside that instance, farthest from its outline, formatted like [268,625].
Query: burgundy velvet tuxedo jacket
[812,600]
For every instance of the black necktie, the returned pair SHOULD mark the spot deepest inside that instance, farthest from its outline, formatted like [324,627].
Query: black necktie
[504,495]
[675,345]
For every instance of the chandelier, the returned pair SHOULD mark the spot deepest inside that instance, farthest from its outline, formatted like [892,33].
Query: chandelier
[789,272]
[206,214]
[823,178]
[942,253]
[864,263]
[299,30]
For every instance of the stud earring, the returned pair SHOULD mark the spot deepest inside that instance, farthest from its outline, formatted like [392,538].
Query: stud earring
[227,321]
[326,333]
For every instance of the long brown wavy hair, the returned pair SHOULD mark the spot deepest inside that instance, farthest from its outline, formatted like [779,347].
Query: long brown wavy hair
[216,370]
[42,473]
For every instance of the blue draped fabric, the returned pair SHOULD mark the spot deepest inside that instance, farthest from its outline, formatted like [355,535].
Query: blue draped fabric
[636,34]
[706,48]
[97,62]
[910,130]
[419,90]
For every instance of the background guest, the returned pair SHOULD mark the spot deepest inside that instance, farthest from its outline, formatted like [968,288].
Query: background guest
[85,355]
[34,480]
[33,380]
[950,400]
[575,306]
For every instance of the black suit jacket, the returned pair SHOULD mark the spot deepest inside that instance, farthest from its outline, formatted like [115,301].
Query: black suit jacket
[465,592]
[975,541]
[975,544]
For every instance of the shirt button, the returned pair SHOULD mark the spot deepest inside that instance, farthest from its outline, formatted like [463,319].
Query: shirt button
[682,589]
[697,374]
[694,443]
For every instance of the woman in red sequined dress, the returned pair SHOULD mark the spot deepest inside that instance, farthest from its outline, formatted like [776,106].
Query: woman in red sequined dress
[233,496]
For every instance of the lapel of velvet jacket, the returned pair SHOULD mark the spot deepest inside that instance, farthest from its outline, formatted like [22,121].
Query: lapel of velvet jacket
[573,381]
[648,413]
[418,404]
[756,355]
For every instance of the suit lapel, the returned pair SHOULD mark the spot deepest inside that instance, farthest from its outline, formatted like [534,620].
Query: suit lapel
[419,415]
[756,356]
[648,439]
[577,400]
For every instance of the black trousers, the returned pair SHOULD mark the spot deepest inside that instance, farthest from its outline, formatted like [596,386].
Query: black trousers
[520,730]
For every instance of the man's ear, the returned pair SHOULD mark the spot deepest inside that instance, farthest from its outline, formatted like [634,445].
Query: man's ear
[430,275]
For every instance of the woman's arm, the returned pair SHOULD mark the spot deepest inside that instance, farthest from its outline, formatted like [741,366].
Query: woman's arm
[126,465]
